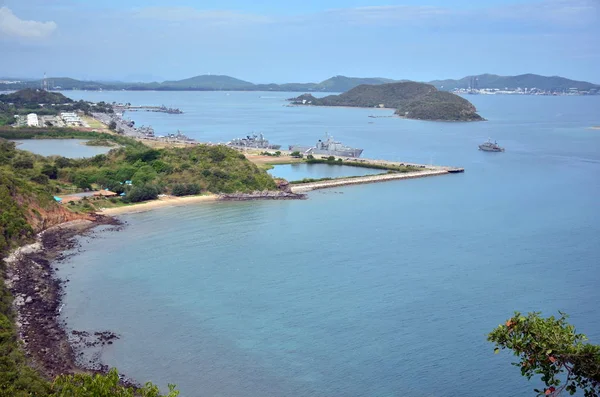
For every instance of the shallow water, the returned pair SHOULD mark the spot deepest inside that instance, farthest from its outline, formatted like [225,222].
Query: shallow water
[371,290]
[298,172]
[72,148]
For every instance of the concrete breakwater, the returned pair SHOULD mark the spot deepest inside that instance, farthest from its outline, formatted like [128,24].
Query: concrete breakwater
[305,187]
[267,195]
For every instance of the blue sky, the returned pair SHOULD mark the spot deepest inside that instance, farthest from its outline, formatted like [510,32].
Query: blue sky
[287,41]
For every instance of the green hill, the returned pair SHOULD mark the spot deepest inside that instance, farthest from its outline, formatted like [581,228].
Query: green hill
[412,100]
[552,83]
[343,83]
[208,82]
[34,97]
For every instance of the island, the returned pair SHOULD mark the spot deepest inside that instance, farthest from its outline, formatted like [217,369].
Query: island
[411,100]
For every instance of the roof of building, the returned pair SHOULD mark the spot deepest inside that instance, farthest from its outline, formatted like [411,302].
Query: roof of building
[105,193]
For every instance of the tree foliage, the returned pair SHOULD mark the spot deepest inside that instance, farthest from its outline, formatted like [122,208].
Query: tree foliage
[185,189]
[83,385]
[550,347]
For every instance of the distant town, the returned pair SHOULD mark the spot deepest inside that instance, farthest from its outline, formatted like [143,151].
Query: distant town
[524,91]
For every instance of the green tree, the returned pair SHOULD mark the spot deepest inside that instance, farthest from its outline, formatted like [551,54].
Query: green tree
[23,163]
[82,181]
[63,162]
[112,125]
[145,174]
[550,347]
[84,385]
[50,171]
[141,193]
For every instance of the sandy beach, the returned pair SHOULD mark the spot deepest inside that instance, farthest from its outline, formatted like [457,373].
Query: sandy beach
[168,201]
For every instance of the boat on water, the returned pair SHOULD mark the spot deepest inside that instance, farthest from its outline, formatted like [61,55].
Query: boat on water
[253,141]
[490,146]
[329,146]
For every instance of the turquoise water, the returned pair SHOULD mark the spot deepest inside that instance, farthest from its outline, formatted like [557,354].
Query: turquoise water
[386,290]
[297,172]
[72,148]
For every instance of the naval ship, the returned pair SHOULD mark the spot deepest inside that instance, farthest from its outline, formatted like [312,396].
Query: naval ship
[254,141]
[490,146]
[329,146]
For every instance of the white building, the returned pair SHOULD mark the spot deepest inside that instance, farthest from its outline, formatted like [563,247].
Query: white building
[32,120]
[70,118]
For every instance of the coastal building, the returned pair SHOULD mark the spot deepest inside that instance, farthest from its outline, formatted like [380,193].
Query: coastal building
[32,120]
[71,118]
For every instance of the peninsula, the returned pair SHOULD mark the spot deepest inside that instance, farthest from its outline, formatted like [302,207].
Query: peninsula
[411,100]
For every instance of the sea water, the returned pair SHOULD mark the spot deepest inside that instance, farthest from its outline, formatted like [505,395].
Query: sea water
[300,171]
[386,289]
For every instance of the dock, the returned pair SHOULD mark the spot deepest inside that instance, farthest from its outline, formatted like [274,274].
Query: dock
[159,109]
[306,187]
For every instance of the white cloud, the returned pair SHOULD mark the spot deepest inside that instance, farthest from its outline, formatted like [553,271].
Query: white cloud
[555,12]
[11,25]
[375,14]
[182,14]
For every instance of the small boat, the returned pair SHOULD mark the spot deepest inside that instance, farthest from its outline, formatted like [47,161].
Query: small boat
[490,146]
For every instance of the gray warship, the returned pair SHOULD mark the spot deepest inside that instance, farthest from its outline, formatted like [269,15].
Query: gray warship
[490,146]
[329,147]
[252,141]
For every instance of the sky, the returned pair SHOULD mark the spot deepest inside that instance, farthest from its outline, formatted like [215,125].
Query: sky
[267,41]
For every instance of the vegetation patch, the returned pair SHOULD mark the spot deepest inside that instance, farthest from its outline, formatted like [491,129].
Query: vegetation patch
[412,100]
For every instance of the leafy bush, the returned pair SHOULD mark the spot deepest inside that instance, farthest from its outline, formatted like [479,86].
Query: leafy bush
[83,385]
[550,347]
[186,189]
[141,193]
[41,179]
[50,171]
[23,163]
[144,175]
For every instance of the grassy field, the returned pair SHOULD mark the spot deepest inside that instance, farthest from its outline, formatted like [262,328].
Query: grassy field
[93,123]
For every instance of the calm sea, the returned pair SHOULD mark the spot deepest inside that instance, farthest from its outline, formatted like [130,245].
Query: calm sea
[373,290]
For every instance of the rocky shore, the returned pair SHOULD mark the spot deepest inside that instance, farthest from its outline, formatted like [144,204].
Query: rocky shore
[30,276]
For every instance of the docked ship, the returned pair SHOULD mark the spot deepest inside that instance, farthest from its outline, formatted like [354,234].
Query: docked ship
[253,141]
[490,146]
[329,147]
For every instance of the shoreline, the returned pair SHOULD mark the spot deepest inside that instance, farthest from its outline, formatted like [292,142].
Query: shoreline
[163,202]
[31,278]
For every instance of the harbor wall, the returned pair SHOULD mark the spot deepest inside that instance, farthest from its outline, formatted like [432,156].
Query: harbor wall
[305,187]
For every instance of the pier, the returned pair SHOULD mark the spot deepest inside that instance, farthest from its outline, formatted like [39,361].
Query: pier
[306,187]
[159,109]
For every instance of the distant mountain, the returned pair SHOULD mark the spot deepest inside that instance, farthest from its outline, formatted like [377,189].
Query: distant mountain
[214,82]
[411,100]
[333,84]
[553,83]
[343,83]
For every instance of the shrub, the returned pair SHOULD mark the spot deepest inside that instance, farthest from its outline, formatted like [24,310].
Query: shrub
[50,171]
[186,189]
[41,179]
[23,163]
[142,193]
[144,175]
